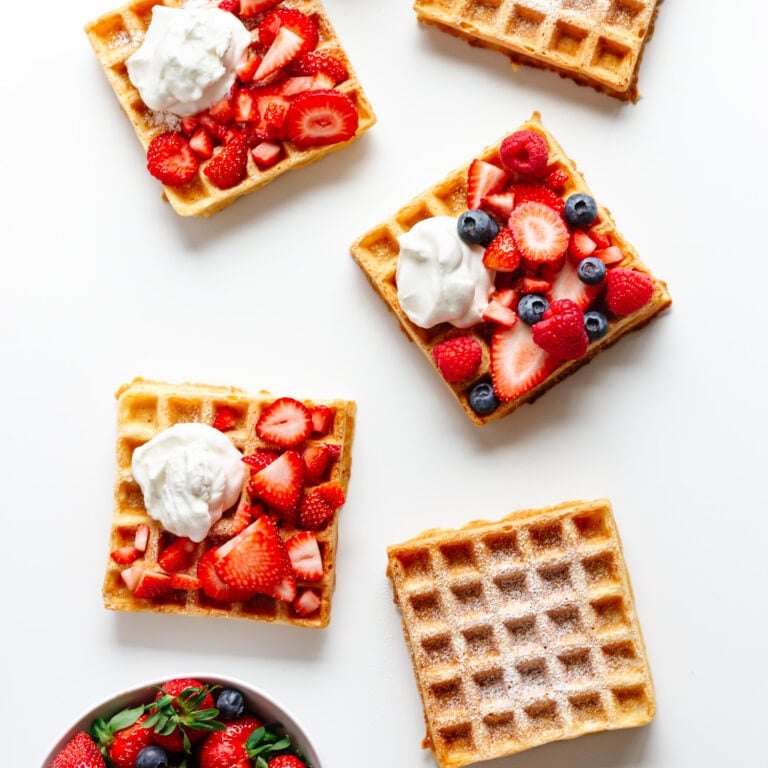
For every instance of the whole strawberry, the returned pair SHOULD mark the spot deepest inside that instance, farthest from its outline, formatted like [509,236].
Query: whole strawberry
[79,752]
[627,290]
[458,358]
[561,331]
[123,736]
[286,761]
[246,743]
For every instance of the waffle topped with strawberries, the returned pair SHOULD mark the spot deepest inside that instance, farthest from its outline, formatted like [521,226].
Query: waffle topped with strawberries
[598,43]
[296,98]
[271,556]
[566,283]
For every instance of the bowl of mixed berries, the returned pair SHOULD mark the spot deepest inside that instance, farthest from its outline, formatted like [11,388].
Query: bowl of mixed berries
[181,722]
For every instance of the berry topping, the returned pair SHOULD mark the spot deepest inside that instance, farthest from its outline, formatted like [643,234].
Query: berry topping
[561,332]
[230,165]
[230,703]
[317,461]
[286,761]
[537,193]
[304,553]
[182,714]
[326,62]
[540,233]
[252,7]
[178,555]
[595,324]
[580,210]
[213,586]
[531,308]
[458,357]
[306,603]
[122,737]
[476,227]
[499,204]
[580,246]
[317,118]
[568,285]
[284,49]
[225,419]
[319,504]
[627,290]
[260,458]
[171,160]
[525,152]
[286,422]
[483,179]
[125,555]
[280,484]
[502,254]
[300,24]
[610,255]
[591,270]
[79,752]
[482,398]
[517,363]
[229,747]
[152,584]
[266,153]
[498,313]
[556,179]
[322,420]
[152,757]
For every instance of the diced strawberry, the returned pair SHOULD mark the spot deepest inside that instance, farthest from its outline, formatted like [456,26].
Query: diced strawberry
[537,193]
[247,68]
[285,422]
[306,603]
[568,285]
[171,160]
[556,179]
[225,419]
[266,153]
[125,555]
[216,129]
[141,537]
[280,485]
[315,510]
[244,515]
[457,358]
[319,118]
[533,285]
[256,559]
[507,297]
[322,417]
[561,331]
[254,7]
[517,363]
[230,166]
[324,61]
[627,290]
[185,582]
[499,204]
[335,449]
[304,553]
[201,143]
[231,6]
[502,254]
[213,586]
[153,584]
[601,239]
[497,313]
[540,233]
[189,124]
[292,86]
[333,493]
[223,111]
[273,109]
[244,107]
[131,574]
[525,152]
[284,49]
[610,255]
[178,555]
[483,179]
[260,458]
[317,460]
[301,24]
[580,246]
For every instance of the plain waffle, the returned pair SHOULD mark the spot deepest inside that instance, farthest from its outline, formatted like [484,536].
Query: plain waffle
[522,631]
[595,42]
[377,252]
[116,35]
[144,409]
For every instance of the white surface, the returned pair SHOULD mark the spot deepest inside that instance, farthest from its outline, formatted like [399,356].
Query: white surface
[102,281]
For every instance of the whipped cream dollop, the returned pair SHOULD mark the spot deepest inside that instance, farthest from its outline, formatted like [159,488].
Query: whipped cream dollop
[188,59]
[189,474]
[440,278]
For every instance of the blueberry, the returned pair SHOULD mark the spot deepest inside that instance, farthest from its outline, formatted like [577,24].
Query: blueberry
[580,210]
[152,757]
[482,398]
[532,307]
[591,270]
[230,704]
[476,227]
[595,324]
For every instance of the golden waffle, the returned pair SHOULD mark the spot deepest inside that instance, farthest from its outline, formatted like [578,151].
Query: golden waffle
[595,42]
[377,253]
[145,408]
[522,631]
[116,35]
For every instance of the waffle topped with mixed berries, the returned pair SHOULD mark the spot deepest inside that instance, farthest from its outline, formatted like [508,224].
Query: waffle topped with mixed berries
[296,98]
[564,282]
[271,556]
[598,43]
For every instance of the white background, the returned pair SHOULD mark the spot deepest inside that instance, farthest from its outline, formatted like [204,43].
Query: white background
[102,282]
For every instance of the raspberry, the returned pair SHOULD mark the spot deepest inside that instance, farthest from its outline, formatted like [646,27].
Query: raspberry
[457,358]
[627,290]
[525,152]
[561,331]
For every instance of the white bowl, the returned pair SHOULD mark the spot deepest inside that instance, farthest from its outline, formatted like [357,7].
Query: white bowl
[260,703]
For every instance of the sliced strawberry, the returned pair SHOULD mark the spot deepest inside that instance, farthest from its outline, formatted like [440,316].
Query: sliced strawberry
[284,49]
[304,553]
[499,204]
[125,555]
[171,160]
[189,124]
[537,193]
[225,419]
[333,493]
[533,285]
[281,484]
[152,584]
[178,555]
[517,363]
[256,559]
[185,582]
[272,109]
[130,575]
[260,458]
[301,24]
[580,246]
[322,419]
[247,68]
[266,153]
[601,240]
[231,6]
[244,106]
[324,61]
[285,422]
[141,537]
[320,118]
[610,256]
[507,297]
[244,515]
[627,290]
[483,179]
[223,111]
[306,603]
[317,460]
[502,254]
[216,129]
[540,233]
[315,510]
[497,313]
[230,166]
[567,285]
[213,586]
[254,7]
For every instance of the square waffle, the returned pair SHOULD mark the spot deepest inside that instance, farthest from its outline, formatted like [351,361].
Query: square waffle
[377,253]
[596,42]
[145,408]
[521,631]
[116,35]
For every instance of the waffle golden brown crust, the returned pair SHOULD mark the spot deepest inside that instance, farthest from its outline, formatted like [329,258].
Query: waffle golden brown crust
[598,43]
[116,35]
[522,631]
[377,252]
[144,409]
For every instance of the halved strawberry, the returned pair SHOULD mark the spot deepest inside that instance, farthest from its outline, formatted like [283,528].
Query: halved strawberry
[322,419]
[499,204]
[328,62]
[244,106]
[284,49]
[306,603]
[170,159]
[253,7]
[304,554]
[178,555]
[517,363]
[256,559]
[285,422]
[540,233]
[319,118]
[483,179]
[152,583]
[225,419]
[230,166]
[213,586]
[317,459]
[502,254]
[301,24]
[266,153]
[315,510]
[280,485]
[568,285]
